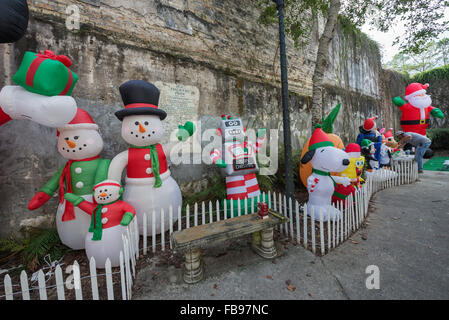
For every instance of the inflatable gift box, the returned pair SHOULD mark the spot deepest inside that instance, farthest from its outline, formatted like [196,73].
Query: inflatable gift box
[46,74]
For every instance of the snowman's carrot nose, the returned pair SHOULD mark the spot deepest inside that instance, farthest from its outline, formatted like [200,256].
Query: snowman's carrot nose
[71,144]
[141,128]
[103,194]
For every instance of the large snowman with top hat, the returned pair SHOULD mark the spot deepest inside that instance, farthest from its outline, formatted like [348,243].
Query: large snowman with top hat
[149,186]
[80,143]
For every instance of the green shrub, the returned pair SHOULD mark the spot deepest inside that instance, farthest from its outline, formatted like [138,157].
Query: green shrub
[41,243]
[433,74]
[439,137]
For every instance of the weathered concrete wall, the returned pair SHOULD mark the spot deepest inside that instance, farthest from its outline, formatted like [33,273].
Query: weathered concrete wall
[440,98]
[216,46]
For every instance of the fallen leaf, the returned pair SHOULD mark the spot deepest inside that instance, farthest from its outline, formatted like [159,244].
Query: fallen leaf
[364,236]
[269,277]
[288,282]
[309,294]
[212,294]
[215,286]
[221,254]
[354,242]
[291,288]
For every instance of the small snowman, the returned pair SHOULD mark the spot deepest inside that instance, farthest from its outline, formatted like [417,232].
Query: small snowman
[149,186]
[80,143]
[110,216]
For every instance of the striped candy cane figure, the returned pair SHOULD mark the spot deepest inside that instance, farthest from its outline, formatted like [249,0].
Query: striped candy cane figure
[244,185]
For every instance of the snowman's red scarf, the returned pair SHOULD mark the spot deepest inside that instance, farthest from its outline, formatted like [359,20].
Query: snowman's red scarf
[69,211]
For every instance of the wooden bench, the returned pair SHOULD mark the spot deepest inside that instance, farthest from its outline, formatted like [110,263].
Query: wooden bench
[192,239]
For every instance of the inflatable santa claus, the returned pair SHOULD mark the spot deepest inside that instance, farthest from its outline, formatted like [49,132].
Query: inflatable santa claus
[415,113]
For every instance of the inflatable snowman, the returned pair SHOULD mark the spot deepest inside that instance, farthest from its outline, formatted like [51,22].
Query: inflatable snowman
[325,158]
[149,186]
[110,216]
[80,143]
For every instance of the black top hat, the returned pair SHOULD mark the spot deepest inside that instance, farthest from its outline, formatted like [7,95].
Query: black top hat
[139,97]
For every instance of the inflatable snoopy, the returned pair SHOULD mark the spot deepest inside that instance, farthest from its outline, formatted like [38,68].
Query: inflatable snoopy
[325,158]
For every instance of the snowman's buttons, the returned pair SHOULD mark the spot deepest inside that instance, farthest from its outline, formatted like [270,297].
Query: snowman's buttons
[147,156]
[79,185]
[104,210]
[104,220]
[148,171]
[78,170]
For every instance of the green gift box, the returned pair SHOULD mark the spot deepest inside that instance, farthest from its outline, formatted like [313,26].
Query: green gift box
[46,74]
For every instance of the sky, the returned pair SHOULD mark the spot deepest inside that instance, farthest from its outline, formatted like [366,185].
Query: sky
[385,39]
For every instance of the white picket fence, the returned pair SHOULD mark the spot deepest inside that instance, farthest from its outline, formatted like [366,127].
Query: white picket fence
[302,228]
[40,281]
[319,236]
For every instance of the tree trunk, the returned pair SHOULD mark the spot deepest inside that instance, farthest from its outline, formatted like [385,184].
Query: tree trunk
[322,60]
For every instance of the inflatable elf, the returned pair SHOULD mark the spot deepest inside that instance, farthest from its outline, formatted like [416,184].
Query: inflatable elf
[369,131]
[415,114]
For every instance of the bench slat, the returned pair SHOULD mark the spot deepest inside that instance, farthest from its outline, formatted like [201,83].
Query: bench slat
[222,230]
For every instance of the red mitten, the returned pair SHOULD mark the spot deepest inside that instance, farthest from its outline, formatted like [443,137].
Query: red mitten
[38,200]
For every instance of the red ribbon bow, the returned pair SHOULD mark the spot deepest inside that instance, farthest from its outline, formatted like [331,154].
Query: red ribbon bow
[48,54]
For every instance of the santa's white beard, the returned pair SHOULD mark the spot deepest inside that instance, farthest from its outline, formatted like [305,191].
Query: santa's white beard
[420,102]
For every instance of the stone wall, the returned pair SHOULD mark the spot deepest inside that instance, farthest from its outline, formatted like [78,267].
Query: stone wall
[440,98]
[215,46]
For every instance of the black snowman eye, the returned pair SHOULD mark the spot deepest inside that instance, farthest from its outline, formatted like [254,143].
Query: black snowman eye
[136,123]
[146,123]
[76,137]
[101,191]
[66,138]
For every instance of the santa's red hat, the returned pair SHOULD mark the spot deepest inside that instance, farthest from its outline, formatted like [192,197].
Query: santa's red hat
[320,139]
[415,88]
[388,134]
[82,120]
[353,150]
[369,123]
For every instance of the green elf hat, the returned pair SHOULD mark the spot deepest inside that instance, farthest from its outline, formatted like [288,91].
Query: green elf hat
[46,74]
[319,139]
[366,143]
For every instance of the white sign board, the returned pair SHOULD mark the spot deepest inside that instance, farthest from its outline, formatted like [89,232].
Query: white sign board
[181,103]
